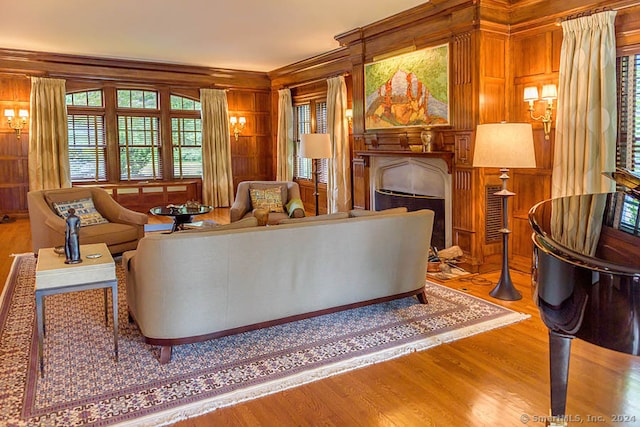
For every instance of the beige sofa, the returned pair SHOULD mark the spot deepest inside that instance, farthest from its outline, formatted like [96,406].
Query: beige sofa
[192,286]
[122,232]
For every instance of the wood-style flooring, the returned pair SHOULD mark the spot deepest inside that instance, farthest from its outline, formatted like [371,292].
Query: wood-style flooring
[497,378]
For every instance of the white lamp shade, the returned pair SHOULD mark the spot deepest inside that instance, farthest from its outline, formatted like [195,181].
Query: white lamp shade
[315,146]
[549,92]
[504,145]
[9,113]
[530,93]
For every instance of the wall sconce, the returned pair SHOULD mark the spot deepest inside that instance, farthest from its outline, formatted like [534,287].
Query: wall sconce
[237,125]
[19,124]
[349,115]
[549,93]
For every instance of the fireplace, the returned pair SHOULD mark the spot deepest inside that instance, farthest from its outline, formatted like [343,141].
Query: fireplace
[417,183]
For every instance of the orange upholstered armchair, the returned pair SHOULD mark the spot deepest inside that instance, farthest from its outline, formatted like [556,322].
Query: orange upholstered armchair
[110,223]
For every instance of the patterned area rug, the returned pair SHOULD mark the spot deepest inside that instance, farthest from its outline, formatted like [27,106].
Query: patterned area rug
[84,385]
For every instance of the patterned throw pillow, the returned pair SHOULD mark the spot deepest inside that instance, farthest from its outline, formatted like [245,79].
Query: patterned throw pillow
[268,198]
[85,210]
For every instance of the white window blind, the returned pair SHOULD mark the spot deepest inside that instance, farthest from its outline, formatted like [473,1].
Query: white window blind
[628,143]
[139,142]
[306,122]
[87,141]
[186,137]
[139,135]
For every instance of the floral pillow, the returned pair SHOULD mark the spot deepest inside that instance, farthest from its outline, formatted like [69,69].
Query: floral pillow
[267,198]
[85,210]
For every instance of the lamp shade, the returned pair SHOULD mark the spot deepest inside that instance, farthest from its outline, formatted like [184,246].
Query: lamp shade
[315,146]
[530,93]
[504,145]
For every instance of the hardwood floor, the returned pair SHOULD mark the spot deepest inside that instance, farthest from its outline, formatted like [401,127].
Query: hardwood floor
[497,378]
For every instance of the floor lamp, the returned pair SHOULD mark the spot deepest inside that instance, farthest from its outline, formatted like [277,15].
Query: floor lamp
[315,146]
[504,146]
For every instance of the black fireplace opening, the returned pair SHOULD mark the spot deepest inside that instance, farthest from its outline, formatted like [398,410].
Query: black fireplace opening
[387,199]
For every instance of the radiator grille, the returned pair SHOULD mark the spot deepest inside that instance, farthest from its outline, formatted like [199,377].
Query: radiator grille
[493,217]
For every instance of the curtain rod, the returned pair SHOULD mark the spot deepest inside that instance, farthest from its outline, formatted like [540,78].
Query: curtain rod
[584,13]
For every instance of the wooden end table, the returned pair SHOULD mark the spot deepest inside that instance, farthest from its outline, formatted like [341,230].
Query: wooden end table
[53,276]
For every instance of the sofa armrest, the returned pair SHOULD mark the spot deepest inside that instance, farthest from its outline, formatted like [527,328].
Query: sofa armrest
[56,223]
[127,257]
[241,204]
[114,211]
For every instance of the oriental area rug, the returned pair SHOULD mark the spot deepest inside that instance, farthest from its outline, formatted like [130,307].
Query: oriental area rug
[83,384]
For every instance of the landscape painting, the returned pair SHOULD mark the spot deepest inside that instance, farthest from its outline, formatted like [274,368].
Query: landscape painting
[408,90]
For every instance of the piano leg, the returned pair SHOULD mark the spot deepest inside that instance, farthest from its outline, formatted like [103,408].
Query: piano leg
[559,352]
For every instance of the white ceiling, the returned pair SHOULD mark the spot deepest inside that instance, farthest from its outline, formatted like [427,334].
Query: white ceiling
[255,35]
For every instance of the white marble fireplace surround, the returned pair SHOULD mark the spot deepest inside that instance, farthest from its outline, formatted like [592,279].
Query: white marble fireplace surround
[413,175]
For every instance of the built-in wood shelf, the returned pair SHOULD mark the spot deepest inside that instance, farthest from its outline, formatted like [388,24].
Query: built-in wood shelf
[447,156]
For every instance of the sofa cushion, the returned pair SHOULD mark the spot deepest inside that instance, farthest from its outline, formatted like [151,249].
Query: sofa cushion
[85,210]
[295,208]
[356,213]
[246,222]
[267,198]
[111,233]
[337,215]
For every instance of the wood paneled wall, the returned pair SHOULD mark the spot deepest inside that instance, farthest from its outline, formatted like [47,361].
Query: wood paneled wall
[14,176]
[248,95]
[497,47]
[251,154]
[536,42]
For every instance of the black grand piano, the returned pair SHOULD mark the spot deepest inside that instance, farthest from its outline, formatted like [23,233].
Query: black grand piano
[586,277]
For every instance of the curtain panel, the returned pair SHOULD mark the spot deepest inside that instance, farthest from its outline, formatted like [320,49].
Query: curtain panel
[339,180]
[217,178]
[585,139]
[48,137]
[284,143]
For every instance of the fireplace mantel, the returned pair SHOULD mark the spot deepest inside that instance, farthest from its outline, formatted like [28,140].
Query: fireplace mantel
[447,156]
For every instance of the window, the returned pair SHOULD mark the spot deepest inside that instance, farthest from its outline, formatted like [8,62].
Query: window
[186,137]
[310,118]
[139,135]
[630,215]
[87,143]
[128,134]
[628,144]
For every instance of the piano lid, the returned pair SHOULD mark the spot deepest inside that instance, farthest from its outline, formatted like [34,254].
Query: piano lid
[597,231]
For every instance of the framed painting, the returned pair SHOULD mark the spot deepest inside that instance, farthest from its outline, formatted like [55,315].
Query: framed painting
[408,90]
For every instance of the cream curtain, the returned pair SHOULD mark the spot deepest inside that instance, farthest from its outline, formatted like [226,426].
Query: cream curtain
[339,180]
[217,179]
[284,145]
[576,222]
[48,138]
[585,141]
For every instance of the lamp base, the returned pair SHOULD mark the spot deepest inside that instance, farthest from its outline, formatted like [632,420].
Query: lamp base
[504,290]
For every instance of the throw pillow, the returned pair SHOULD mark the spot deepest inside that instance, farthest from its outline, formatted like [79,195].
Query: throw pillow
[85,210]
[263,185]
[268,198]
[295,208]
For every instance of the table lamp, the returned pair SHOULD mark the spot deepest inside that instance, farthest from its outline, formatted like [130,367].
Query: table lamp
[504,146]
[315,146]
